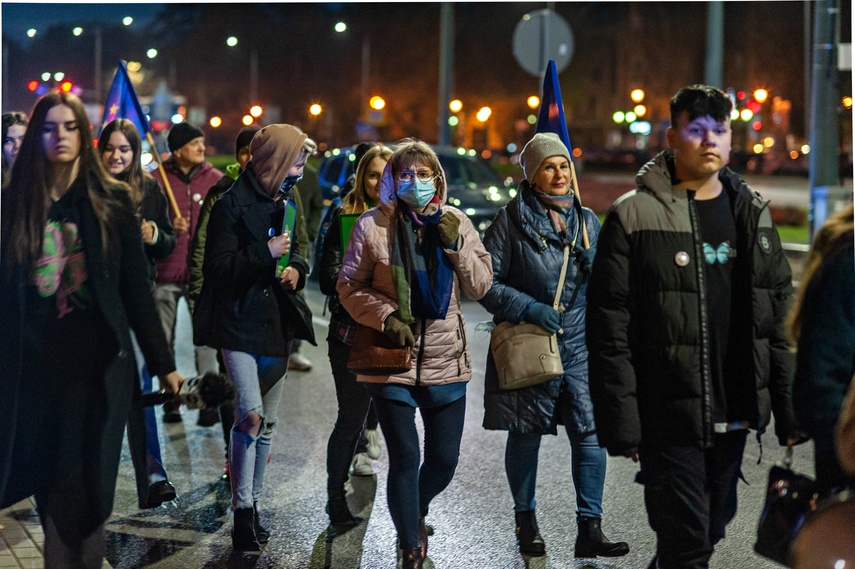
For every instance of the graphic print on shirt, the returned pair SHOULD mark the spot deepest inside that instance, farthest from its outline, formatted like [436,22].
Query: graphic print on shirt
[61,270]
[720,253]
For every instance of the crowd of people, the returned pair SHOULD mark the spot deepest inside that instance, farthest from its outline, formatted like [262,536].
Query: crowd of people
[678,326]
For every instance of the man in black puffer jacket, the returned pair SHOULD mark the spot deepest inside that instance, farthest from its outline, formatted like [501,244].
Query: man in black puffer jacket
[685,329]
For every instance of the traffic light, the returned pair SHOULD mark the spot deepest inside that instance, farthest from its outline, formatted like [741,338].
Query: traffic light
[33,85]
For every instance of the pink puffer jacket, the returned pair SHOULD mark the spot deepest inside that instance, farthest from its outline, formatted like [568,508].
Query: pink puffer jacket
[366,290]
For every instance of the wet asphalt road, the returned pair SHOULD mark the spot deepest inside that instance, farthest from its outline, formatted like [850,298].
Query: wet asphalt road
[473,518]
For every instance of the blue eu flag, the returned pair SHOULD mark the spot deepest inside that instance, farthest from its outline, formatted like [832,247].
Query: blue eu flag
[551,116]
[122,102]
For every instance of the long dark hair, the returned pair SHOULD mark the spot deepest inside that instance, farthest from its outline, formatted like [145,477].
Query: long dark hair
[134,175]
[30,201]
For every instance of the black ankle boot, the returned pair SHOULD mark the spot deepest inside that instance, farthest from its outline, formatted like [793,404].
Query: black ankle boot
[260,531]
[528,534]
[341,520]
[412,559]
[592,543]
[243,532]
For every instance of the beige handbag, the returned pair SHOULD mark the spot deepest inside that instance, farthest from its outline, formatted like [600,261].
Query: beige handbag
[526,354]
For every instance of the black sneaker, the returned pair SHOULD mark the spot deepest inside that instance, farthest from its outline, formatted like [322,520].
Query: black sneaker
[160,492]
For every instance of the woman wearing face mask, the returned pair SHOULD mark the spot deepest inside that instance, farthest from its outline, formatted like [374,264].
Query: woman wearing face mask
[14,128]
[252,315]
[406,265]
[120,148]
[354,401]
[526,241]
[74,283]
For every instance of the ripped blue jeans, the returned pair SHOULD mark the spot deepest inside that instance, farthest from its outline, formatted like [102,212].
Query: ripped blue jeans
[259,381]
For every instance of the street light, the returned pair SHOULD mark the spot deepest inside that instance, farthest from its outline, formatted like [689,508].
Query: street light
[760,95]
[256,111]
[216,122]
[637,95]
[315,110]
[483,114]
[127,20]
[533,102]
[377,103]
[31,33]
[231,41]
[455,106]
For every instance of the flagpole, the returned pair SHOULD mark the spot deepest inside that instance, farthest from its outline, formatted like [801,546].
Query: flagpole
[585,241]
[166,187]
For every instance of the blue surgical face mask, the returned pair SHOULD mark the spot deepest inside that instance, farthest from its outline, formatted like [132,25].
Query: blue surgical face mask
[416,194]
[290,182]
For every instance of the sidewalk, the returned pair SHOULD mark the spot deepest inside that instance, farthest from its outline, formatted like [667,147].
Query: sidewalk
[21,537]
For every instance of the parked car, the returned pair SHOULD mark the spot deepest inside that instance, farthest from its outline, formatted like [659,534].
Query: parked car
[473,186]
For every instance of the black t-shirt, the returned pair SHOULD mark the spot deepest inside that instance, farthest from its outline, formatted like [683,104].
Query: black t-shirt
[718,232]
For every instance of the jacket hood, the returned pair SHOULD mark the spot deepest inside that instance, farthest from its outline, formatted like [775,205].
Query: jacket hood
[389,190]
[275,149]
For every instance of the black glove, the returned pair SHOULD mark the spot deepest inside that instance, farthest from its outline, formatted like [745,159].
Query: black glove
[449,229]
[398,332]
[585,258]
[544,316]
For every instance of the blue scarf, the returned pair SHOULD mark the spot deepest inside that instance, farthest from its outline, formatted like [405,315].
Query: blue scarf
[422,275]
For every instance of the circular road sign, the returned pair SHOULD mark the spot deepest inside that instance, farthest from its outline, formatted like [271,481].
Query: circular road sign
[540,36]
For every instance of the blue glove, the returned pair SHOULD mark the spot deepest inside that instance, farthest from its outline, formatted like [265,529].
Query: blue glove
[544,316]
[585,258]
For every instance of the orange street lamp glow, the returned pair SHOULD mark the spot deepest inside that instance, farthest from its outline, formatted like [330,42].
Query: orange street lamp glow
[533,102]
[315,110]
[216,122]
[637,95]
[640,110]
[377,103]
[246,120]
[760,95]
[256,111]
[483,114]
[455,106]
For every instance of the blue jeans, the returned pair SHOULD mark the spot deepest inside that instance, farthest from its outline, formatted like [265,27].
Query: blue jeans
[259,387]
[588,463]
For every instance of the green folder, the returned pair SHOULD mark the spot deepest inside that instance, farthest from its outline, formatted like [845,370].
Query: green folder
[289,221]
[346,222]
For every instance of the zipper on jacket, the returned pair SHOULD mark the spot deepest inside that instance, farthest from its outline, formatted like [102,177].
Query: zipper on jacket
[461,332]
[706,385]
[420,356]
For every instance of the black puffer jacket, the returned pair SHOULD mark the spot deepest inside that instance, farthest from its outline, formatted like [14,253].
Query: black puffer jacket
[646,317]
[527,256]
[153,208]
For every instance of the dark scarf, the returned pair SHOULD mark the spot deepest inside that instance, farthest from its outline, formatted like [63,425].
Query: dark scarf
[421,273]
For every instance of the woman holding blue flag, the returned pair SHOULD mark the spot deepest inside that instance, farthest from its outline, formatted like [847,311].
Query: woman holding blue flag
[404,270]
[252,314]
[527,242]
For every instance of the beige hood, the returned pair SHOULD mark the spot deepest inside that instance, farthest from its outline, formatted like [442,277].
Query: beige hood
[275,149]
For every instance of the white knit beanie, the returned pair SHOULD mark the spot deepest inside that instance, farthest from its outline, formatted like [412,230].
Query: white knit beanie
[544,145]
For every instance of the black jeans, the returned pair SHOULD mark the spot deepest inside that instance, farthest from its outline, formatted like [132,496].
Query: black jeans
[354,402]
[690,495]
[411,488]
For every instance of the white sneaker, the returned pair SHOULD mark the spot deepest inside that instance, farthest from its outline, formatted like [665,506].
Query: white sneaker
[372,449]
[361,465]
[299,362]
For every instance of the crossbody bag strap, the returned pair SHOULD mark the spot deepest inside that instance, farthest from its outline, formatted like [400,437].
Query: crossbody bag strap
[561,277]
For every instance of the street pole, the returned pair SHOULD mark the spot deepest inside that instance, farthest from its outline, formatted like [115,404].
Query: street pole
[446,71]
[98,65]
[823,135]
[715,44]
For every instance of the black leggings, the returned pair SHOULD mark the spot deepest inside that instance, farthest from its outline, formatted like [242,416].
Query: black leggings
[410,488]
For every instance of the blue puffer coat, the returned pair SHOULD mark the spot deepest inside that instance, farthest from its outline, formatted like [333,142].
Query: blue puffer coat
[527,257]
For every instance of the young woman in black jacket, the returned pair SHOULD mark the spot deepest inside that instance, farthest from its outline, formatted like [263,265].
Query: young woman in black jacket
[74,283]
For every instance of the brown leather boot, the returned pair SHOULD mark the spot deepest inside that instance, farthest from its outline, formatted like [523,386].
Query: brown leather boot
[412,559]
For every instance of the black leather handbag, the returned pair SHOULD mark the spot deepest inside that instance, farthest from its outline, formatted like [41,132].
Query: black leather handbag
[790,498]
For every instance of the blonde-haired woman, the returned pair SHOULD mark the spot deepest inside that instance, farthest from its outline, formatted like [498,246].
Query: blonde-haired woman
[354,401]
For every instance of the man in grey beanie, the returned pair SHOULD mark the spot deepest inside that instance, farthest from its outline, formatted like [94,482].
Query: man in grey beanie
[190,176]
